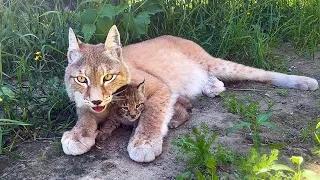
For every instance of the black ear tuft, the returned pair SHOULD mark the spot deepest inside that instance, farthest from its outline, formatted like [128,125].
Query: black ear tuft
[141,87]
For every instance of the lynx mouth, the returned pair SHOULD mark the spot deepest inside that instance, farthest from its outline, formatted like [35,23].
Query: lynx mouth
[99,108]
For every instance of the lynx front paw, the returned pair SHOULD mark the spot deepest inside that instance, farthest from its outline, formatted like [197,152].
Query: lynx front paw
[74,143]
[145,150]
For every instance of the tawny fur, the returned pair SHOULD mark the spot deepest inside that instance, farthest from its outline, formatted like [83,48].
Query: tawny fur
[172,67]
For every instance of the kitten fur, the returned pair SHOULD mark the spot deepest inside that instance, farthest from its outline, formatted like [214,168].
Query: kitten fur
[172,66]
[127,107]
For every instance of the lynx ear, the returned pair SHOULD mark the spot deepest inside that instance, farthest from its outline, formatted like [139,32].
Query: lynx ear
[73,50]
[141,87]
[112,44]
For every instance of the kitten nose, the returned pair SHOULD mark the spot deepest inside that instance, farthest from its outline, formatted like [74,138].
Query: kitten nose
[133,116]
[96,102]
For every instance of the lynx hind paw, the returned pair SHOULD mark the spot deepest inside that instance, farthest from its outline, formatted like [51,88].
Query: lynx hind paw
[144,150]
[74,144]
[306,83]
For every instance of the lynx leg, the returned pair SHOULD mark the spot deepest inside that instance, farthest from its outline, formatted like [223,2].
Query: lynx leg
[146,143]
[180,116]
[81,137]
[213,87]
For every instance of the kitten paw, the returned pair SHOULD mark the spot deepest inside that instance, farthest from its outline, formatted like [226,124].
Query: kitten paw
[76,143]
[145,150]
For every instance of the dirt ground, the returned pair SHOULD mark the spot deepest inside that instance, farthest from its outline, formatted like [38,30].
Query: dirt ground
[293,112]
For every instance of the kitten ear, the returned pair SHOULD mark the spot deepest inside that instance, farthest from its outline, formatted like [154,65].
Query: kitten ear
[112,44]
[74,49]
[141,87]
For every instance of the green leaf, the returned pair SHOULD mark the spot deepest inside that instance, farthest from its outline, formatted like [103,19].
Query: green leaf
[269,125]
[120,8]
[233,128]
[318,125]
[143,18]
[7,92]
[317,137]
[200,176]
[88,30]
[263,117]
[89,1]
[310,175]
[88,16]
[103,26]
[13,122]
[211,163]
[279,167]
[297,159]
[107,11]
[14,155]
[141,23]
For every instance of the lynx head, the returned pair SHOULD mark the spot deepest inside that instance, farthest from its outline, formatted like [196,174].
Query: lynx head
[95,72]
[130,101]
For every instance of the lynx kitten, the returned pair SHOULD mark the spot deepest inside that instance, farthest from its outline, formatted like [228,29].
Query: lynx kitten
[127,106]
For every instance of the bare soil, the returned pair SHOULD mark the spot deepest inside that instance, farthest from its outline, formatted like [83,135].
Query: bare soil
[293,112]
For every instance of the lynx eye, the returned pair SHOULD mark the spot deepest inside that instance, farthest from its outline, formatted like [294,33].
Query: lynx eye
[81,79]
[108,77]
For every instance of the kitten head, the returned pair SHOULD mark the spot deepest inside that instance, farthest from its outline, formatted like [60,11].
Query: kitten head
[95,72]
[130,101]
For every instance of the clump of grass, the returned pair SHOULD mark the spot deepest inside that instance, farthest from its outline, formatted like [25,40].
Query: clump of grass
[202,162]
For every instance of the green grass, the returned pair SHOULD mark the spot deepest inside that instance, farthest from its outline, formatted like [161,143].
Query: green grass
[242,31]
[202,160]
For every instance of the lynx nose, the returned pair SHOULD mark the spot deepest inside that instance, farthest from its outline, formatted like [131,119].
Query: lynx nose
[133,116]
[96,102]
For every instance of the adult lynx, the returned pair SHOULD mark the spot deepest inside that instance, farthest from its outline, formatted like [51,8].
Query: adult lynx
[170,65]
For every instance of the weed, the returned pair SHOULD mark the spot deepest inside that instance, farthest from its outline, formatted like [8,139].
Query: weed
[306,132]
[252,115]
[291,173]
[42,157]
[317,136]
[283,92]
[196,149]
[255,166]
[201,161]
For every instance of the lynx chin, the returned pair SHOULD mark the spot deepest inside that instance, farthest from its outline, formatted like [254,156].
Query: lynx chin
[172,67]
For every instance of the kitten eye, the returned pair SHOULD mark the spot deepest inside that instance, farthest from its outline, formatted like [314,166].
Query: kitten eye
[124,108]
[108,77]
[82,79]
[139,105]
